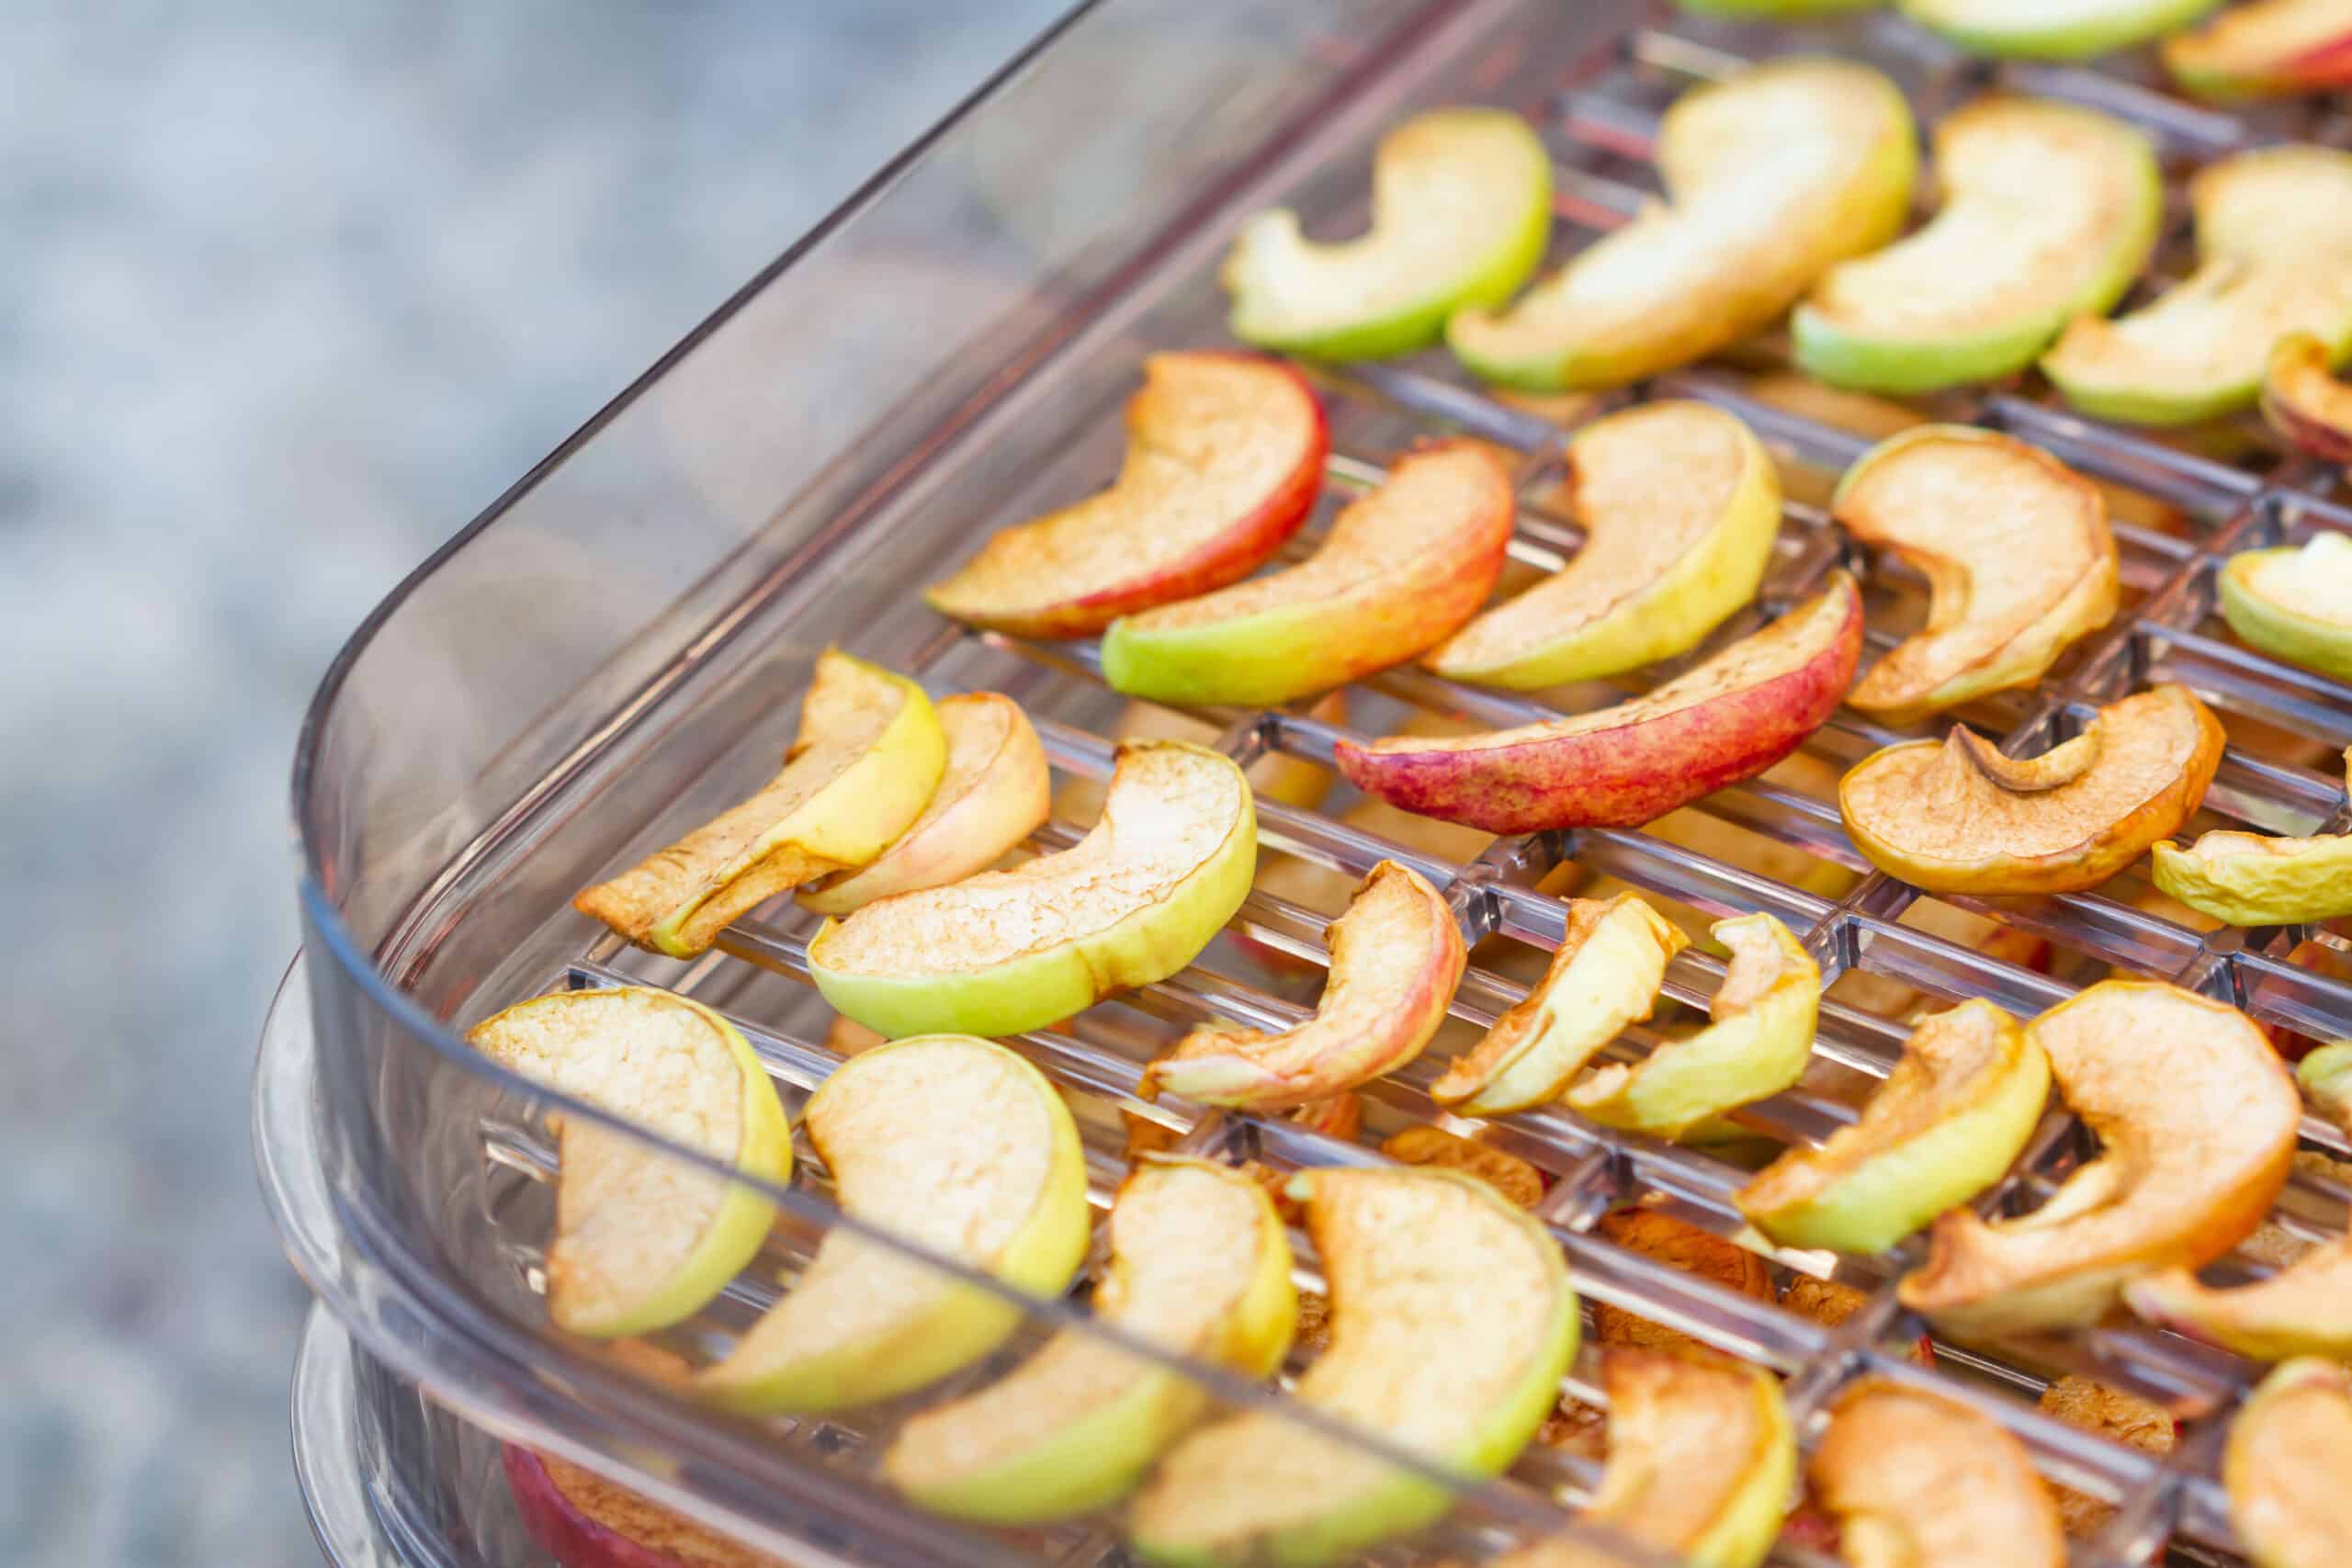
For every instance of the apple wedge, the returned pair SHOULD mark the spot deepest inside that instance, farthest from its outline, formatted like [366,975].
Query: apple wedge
[1224,456]
[1605,976]
[2049,211]
[948,1143]
[1784,10]
[1006,951]
[1461,212]
[2053,29]
[583,1520]
[994,792]
[1727,720]
[1199,1266]
[2275,257]
[642,1241]
[1512,1177]
[2294,602]
[1403,566]
[1452,1323]
[1958,1107]
[1773,175]
[1914,1479]
[2266,49]
[1397,956]
[2303,399]
[2326,1073]
[2251,879]
[2196,1122]
[1933,814]
[2288,1467]
[1757,1044]
[865,761]
[1679,503]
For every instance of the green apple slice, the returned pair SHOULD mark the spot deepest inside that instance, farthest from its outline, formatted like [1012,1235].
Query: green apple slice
[953,1144]
[1461,212]
[1161,872]
[2053,29]
[1757,1044]
[1200,1265]
[2049,211]
[2325,1076]
[1452,1321]
[2265,49]
[2251,879]
[2288,1467]
[1773,174]
[1959,1104]
[1915,1479]
[642,1241]
[1679,503]
[864,764]
[1786,10]
[2294,602]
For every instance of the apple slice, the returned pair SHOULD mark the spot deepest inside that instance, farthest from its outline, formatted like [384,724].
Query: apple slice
[1729,719]
[2266,49]
[1453,1322]
[583,1520]
[2251,879]
[1944,1127]
[1786,10]
[2273,260]
[1694,1249]
[2110,1413]
[1461,212]
[994,792]
[1679,503]
[951,1143]
[1403,566]
[1006,951]
[1224,455]
[2053,29]
[2288,1467]
[1605,976]
[1757,1044]
[1773,175]
[1507,1174]
[2303,401]
[2196,1122]
[2295,602]
[1200,1266]
[2049,211]
[868,756]
[1913,1478]
[1926,811]
[2326,1073]
[642,1241]
[1397,956]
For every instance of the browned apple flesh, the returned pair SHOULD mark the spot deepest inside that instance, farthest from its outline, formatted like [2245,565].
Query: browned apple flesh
[2289,1466]
[1914,1480]
[1507,1174]
[2303,400]
[2116,1415]
[583,1520]
[1694,1249]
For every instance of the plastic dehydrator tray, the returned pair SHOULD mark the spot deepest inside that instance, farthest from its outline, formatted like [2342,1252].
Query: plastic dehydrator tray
[651,641]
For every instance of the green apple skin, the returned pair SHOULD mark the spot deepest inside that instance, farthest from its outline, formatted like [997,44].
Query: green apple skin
[2298,638]
[2130,400]
[2325,1076]
[2118,24]
[2258,886]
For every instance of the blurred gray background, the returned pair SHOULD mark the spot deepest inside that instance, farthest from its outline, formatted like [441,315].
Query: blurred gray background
[287,291]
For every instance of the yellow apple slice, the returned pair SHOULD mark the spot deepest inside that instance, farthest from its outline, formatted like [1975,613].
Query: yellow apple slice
[1007,951]
[1452,1321]
[866,760]
[2251,879]
[1402,568]
[581,1521]
[1604,976]
[2266,49]
[2288,1467]
[2196,1122]
[1914,1479]
[2053,29]
[2303,400]
[1925,810]
[1773,174]
[1397,956]
[1224,455]
[1757,1044]
[1679,503]
[2015,549]
[641,1240]
[1944,1127]
[2295,602]
[2049,211]
[1200,1266]
[954,1145]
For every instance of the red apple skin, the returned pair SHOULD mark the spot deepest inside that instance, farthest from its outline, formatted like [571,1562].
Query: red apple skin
[559,1529]
[2314,70]
[2302,397]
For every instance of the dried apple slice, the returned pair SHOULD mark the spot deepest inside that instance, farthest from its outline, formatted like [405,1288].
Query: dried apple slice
[2049,211]
[1397,956]
[865,761]
[2053,29]
[1729,719]
[1790,10]
[1199,1266]
[2266,49]
[1915,1479]
[2288,1467]
[1005,951]
[2196,1120]
[1224,455]
[2295,602]
[952,1144]
[1924,812]
[1507,1174]
[1604,976]
[642,1240]
[1461,212]
[583,1520]
[2015,549]
[1958,1107]
[1403,566]
[1679,503]
[2251,879]
[1757,1044]
[1773,174]
[1452,1323]
[2272,240]
[2303,400]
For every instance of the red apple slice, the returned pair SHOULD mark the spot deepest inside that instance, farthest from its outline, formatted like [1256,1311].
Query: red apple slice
[2266,49]
[1225,454]
[2304,401]
[583,1520]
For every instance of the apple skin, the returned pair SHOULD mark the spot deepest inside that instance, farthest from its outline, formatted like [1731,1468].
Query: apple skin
[2108,27]
[2302,399]
[575,1538]
[2244,879]
[1787,10]
[2229,61]
[2278,629]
